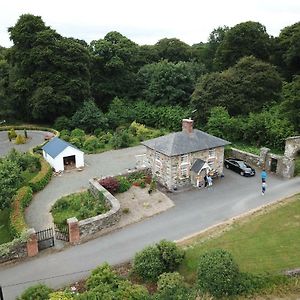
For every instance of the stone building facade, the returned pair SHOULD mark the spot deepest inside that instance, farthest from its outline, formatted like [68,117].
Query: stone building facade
[171,157]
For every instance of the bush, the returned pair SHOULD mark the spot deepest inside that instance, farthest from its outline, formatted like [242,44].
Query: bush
[78,133]
[148,264]
[218,274]
[20,201]
[77,142]
[25,161]
[20,139]
[36,292]
[170,254]
[110,183]
[12,133]
[92,144]
[106,138]
[154,260]
[169,281]
[121,139]
[124,184]
[38,182]
[62,122]
[61,296]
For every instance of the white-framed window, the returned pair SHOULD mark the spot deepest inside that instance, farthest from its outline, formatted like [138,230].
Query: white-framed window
[211,163]
[184,165]
[157,163]
[211,153]
[184,170]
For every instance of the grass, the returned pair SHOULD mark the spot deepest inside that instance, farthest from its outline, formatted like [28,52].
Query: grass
[81,205]
[267,242]
[5,235]
[27,176]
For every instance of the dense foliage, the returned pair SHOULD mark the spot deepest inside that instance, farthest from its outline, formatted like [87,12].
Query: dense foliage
[155,260]
[39,291]
[113,81]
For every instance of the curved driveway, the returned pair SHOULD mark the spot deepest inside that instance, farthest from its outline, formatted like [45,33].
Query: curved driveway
[194,211]
[35,138]
[96,165]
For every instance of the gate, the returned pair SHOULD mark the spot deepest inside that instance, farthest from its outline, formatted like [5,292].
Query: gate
[45,238]
[62,233]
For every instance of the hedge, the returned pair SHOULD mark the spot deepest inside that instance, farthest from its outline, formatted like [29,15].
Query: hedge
[20,201]
[38,182]
[28,127]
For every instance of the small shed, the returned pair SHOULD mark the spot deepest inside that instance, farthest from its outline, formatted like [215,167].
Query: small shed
[62,155]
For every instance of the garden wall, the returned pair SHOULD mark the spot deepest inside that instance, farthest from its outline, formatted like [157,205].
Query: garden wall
[13,250]
[97,223]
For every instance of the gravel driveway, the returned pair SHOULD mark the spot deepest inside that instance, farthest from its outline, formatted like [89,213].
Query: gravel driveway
[96,165]
[34,138]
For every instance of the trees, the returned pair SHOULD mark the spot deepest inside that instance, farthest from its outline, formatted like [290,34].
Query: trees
[244,39]
[288,50]
[291,102]
[247,87]
[10,180]
[50,74]
[167,83]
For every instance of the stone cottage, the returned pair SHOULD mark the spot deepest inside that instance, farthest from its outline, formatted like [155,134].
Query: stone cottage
[185,157]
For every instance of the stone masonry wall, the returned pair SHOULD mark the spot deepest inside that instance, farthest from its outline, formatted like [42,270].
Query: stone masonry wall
[14,250]
[97,223]
[168,171]
[251,159]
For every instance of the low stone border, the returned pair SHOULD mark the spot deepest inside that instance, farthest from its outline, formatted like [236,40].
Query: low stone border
[95,224]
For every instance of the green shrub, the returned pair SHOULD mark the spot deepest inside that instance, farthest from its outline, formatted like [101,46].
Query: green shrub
[25,161]
[148,264]
[17,219]
[79,133]
[92,144]
[121,139]
[20,139]
[169,281]
[124,184]
[42,178]
[106,138]
[218,274]
[170,254]
[76,141]
[62,122]
[12,133]
[36,292]
[61,296]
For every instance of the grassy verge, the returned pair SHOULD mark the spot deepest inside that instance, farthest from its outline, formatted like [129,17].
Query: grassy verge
[81,205]
[5,235]
[266,242]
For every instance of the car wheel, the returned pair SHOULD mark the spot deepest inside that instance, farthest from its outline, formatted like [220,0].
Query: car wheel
[227,166]
[242,173]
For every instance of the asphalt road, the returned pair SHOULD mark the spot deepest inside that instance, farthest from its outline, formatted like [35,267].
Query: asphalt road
[194,211]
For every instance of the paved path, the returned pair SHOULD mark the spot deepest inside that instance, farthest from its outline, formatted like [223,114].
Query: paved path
[194,210]
[35,138]
[107,163]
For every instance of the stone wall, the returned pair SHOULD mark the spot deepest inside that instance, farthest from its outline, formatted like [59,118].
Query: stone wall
[13,250]
[251,159]
[168,169]
[97,223]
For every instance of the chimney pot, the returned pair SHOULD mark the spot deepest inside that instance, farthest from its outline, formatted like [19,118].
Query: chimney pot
[187,125]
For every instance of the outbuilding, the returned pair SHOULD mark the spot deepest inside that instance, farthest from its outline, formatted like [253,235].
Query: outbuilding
[62,155]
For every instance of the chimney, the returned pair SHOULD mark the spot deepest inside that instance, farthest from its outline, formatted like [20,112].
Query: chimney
[187,125]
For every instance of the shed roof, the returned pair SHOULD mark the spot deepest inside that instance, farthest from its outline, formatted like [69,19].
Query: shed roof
[181,142]
[197,165]
[55,146]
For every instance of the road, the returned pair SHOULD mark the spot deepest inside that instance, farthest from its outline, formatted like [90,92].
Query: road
[194,211]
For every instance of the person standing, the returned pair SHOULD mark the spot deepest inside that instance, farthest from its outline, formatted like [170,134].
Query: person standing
[209,180]
[263,176]
[263,188]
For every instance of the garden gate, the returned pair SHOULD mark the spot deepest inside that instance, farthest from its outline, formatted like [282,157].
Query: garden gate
[45,238]
[62,233]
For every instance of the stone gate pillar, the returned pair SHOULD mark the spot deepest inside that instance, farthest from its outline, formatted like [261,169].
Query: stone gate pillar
[32,243]
[74,233]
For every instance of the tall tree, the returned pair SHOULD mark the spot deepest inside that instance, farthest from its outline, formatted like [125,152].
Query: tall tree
[247,87]
[50,74]
[114,66]
[244,39]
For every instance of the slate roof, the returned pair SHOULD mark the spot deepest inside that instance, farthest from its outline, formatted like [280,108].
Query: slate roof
[197,165]
[181,142]
[55,146]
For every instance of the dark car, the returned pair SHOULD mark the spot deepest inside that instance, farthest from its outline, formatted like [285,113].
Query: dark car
[239,166]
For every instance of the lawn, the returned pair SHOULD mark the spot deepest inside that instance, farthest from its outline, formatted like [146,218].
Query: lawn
[266,242]
[5,235]
[81,205]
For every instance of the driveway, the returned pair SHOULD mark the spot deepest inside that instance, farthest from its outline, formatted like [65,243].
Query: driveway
[194,210]
[35,138]
[96,165]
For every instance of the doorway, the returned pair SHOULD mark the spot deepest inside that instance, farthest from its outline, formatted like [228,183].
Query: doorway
[273,165]
[69,162]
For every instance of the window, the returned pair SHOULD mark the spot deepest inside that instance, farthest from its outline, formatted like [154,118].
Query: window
[184,159]
[157,163]
[184,165]
[211,163]
[212,153]
[184,170]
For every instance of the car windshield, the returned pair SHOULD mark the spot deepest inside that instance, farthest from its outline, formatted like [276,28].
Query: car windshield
[242,164]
